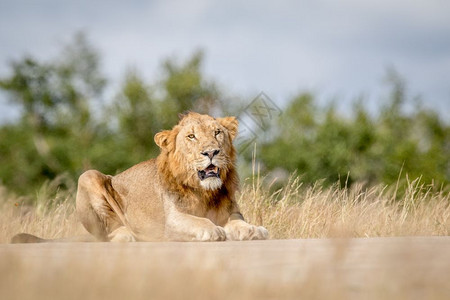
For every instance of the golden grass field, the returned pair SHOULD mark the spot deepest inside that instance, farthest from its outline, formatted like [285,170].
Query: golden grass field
[326,243]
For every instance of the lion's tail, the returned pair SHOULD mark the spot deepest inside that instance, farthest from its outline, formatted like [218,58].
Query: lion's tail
[22,238]
[26,238]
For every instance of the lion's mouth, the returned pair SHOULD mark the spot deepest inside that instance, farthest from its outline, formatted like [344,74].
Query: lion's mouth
[210,171]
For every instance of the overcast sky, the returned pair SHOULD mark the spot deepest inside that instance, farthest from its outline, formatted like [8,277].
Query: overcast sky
[338,49]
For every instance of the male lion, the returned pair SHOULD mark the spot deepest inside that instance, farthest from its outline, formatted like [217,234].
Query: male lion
[187,193]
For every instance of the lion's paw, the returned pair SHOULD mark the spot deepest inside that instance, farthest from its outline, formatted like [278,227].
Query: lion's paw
[212,234]
[122,235]
[244,231]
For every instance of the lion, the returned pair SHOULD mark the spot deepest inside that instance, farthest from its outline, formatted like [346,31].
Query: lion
[187,193]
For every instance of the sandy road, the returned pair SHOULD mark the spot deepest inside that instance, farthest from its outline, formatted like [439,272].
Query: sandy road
[369,268]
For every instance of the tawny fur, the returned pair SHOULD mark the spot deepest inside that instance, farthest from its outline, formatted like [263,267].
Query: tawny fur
[164,198]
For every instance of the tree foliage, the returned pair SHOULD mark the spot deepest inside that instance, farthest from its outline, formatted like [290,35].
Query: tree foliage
[65,127]
[320,143]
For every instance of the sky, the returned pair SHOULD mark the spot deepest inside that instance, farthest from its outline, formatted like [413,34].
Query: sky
[339,50]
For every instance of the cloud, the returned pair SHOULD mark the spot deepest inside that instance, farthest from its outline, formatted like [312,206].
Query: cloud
[334,47]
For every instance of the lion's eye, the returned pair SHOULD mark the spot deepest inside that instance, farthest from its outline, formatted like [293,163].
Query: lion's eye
[218,132]
[191,136]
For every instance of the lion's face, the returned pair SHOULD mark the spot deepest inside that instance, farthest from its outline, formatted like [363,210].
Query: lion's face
[200,149]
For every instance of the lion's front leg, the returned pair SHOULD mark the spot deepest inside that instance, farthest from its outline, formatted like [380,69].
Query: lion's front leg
[122,234]
[185,227]
[238,230]
[191,228]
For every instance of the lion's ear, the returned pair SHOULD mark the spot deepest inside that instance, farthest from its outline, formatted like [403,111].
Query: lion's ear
[231,124]
[162,138]
[182,115]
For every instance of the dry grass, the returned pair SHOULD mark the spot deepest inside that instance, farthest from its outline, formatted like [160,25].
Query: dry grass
[52,215]
[311,269]
[293,211]
[317,212]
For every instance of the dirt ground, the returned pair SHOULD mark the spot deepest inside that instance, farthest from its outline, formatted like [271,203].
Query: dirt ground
[364,268]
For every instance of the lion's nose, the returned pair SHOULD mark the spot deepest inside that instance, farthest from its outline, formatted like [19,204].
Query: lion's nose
[211,153]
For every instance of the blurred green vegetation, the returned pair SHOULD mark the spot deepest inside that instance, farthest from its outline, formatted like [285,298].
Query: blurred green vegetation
[66,127]
[320,143]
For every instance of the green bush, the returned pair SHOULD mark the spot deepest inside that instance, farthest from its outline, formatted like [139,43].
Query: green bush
[65,127]
[375,148]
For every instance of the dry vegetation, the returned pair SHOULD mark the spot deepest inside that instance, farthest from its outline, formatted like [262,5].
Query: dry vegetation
[313,269]
[317,212]
[291,212]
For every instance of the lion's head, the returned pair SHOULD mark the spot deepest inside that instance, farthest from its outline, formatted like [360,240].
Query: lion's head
[198,152]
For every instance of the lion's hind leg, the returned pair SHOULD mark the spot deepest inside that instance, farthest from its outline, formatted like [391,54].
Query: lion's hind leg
[93,209]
